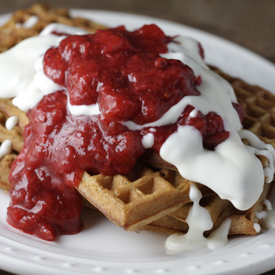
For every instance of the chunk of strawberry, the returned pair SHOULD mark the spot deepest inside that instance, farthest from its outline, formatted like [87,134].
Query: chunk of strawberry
[116,105]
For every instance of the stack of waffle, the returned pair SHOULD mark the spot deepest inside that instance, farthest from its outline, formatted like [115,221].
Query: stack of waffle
[154,196]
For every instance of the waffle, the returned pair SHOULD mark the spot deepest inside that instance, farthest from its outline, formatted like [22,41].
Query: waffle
[14,30]
[259,107]
[154,196]
[15,136]
[139,198]
[5,164]
[242,222]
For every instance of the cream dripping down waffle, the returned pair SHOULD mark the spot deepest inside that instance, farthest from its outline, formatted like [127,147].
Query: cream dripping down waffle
[155,194]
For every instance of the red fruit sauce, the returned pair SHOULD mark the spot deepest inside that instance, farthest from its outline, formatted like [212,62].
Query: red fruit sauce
[124,73]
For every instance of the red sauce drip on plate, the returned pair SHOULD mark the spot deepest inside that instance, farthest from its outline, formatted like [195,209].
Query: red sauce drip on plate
[125,75]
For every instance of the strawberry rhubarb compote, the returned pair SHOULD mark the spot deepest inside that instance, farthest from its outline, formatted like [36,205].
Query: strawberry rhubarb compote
[96,102]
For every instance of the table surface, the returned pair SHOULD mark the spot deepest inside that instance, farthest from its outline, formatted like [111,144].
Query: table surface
[250,23]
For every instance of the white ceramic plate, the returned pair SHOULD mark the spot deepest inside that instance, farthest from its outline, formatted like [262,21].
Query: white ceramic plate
[103,248]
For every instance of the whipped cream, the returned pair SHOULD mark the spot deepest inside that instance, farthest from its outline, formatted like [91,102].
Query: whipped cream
[21,67]
[199,221]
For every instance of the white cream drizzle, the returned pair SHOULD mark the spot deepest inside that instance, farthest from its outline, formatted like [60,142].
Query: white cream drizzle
[226,170]
[11,122]
[5,148]
[219,237]
[268,204]
[30,22]
[257,227]
[261,214]
[21,68]
[269,220]
[258,147]
[268,217]
[21,74]
[148,140]
[199,221]
[61,28]
[88,110]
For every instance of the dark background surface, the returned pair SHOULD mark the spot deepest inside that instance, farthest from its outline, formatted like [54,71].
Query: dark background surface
[250,23]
